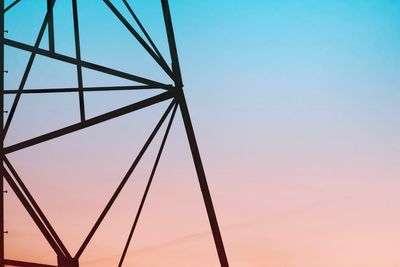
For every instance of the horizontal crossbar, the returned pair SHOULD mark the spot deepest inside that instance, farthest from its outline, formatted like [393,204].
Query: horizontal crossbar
[85,89]
[25,264]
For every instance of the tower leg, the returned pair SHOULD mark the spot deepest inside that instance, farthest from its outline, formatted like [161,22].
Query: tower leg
[203,182]
[1,133]
[191,137]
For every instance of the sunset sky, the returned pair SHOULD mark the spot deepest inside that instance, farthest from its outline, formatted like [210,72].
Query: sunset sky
[296,107]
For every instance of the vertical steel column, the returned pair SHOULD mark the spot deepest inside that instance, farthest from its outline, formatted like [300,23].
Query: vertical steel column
[192,139]
[2,133]
[50,26]
[78,58]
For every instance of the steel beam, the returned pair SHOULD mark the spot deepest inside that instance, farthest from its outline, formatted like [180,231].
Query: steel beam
[25,202]
[203,183]
[36,207]
[90,122]
[2,133]
[84,89]
[67,262]
[50,24]
[123,182]
[172,44]
[78,58]
[159,60]
[10,6]
[192,139]
[146,191]
[135,17]
[26,264]
[27,70]
[84,64]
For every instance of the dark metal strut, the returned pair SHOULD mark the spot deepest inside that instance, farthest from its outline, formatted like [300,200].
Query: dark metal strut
[146,191]
[2,170]
[124,180]
[79,60]
[192,139]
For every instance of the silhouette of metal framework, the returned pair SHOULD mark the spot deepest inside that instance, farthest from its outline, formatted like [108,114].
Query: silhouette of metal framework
[173,92]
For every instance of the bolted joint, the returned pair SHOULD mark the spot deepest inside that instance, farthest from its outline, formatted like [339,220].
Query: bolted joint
[179,95]
[67,262]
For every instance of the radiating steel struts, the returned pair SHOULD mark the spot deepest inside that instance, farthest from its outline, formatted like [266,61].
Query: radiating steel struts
[172,92]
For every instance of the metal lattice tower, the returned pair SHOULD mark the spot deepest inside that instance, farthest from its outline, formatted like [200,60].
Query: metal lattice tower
[173,93]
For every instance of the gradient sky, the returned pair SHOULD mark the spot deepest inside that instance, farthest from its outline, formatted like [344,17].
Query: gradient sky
[296,108]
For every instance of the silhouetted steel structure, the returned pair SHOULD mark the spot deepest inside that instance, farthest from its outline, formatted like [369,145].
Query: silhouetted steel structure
[172,92]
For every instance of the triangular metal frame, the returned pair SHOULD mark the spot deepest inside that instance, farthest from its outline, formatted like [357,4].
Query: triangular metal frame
[173,92]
